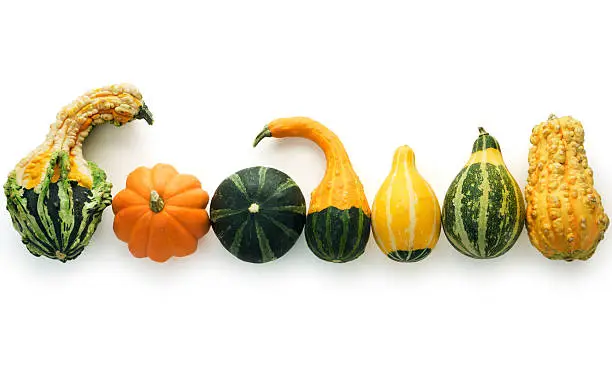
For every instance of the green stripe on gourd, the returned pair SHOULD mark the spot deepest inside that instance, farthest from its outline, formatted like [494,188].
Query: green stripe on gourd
[58,219]
[409,256]
[258,214]
[485,141]
[337,235]
[54,196]
[483,211]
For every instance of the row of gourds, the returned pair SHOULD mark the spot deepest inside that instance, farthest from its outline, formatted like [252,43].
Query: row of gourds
[56,198]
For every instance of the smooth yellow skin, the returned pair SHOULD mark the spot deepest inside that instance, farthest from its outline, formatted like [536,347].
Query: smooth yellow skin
[565,216]
[406,212]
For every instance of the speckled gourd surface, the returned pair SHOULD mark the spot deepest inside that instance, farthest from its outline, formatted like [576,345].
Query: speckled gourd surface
[54,196]
[405,212]
[483,211]
[565,216]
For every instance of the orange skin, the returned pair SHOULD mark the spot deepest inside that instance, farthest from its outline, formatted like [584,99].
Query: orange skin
[176,228]
[565,214]
[340,187]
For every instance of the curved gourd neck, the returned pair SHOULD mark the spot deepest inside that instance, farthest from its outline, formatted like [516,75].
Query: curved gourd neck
[307,128]
[117,104]
[340,186]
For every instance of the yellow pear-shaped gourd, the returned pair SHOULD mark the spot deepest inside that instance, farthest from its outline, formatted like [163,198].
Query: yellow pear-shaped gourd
[406,212]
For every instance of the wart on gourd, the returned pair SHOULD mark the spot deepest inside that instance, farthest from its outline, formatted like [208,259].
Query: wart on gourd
[54,196]
[565,216]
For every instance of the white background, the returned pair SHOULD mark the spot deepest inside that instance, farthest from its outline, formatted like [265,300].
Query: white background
[380,74]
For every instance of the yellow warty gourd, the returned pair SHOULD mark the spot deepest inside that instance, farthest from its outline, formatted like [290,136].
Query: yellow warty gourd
[406,212]
[565,217]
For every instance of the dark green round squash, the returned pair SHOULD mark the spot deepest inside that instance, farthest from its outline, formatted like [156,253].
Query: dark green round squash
[258,214]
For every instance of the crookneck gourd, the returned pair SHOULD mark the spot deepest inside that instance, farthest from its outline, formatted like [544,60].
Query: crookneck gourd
[54,196]
[161,213]
[483,211]
[338,220]
[405,213]
[565,216]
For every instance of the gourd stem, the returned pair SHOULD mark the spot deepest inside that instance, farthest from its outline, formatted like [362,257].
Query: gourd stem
[144,113]
[552,117]
[265,133]
[482,131]
[156,203]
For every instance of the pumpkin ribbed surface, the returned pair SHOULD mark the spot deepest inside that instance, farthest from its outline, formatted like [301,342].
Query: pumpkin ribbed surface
[161,213]
[565,216]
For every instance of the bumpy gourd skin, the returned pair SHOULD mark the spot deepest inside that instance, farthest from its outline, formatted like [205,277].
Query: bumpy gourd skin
[565,216]
[54,196]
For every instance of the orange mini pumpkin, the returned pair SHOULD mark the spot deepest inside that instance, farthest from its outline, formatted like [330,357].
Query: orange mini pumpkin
[161,213]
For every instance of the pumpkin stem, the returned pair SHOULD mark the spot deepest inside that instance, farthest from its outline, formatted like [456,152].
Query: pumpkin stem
[265,133]
[552,117]
[482,131]
[156,203]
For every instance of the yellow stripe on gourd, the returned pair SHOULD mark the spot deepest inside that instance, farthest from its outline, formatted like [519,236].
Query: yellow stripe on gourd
[490,155]
[406,212]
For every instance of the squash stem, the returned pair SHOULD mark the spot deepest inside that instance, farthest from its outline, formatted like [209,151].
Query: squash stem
[156,203]
[265,133]
[145,113]
[482,131]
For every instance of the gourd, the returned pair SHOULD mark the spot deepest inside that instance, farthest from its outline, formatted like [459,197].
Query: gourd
[54,196]
[339,217]
[565,216]
[483,211]
[161,213]
[258,214]
[405,212]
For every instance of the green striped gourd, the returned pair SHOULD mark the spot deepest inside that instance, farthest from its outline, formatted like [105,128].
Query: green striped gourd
[54,196]
[258,214]
[483,211]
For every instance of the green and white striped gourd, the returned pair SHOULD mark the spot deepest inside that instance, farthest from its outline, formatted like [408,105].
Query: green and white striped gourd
[483,211]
